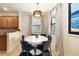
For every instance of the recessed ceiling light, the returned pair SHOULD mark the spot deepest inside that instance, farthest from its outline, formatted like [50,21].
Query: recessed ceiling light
[5,9]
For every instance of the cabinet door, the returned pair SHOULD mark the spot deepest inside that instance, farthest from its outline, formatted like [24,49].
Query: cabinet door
[15,22]
[4,22]
[0,22]
[3,43]
[10,22]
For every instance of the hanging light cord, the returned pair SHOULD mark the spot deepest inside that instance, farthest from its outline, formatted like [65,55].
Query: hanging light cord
[37,5]
[37,13]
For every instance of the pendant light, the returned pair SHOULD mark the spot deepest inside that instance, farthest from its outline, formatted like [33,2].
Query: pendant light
[37,13]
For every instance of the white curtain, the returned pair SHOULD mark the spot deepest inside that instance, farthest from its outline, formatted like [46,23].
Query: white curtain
[59,45]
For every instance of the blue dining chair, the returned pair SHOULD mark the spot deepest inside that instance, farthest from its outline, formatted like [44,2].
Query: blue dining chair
[26,47]
[43,35]
[49,38]
[45,46]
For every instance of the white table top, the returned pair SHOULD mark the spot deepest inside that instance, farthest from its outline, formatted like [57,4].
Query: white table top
[34,40]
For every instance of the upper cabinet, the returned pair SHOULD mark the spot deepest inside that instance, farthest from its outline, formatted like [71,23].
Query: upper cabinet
[15,22]
[9,22]
[4,22]
[0,22]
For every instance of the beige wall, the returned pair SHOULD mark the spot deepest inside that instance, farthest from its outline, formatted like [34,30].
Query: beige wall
[45,24]
[70,42]
[9,14]
[24,21]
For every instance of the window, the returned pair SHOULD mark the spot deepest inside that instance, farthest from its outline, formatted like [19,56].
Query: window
[53,21]
[36,25]
[53,24]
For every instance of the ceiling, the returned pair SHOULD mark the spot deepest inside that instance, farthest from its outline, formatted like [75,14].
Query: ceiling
[26,7]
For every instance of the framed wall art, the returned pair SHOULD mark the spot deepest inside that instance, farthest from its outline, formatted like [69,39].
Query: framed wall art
[73,21]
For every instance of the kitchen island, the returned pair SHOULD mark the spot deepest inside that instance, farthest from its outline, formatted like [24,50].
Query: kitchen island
[9,40]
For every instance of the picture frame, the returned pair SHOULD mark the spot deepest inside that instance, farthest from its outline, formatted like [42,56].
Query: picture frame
[73,20]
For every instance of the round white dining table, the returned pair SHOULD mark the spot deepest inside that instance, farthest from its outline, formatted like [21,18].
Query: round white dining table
[35,41]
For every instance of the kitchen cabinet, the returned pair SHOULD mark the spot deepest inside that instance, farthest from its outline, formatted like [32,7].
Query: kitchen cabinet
[0,22]
[4,22]
[3,43]
[9,22]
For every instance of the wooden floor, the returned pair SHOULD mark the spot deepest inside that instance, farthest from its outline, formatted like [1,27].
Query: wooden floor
[15,52]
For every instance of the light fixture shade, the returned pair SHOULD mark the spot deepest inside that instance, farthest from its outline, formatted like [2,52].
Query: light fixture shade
[37,13]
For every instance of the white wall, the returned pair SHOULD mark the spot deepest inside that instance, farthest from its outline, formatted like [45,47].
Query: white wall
[70,42]
[24,21]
